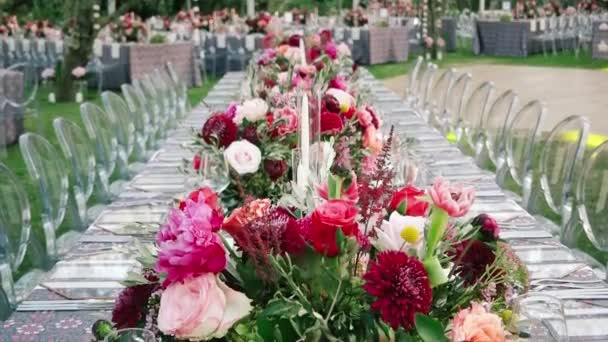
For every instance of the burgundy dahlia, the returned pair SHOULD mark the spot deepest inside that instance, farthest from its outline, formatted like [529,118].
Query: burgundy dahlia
[294,40]
[401,287]
[130,305]
[471,258]
[275,168]
[219,129]
[488,227]
[250,133]
[296,235]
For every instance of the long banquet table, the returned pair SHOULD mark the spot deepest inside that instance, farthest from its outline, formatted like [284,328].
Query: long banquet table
[105,253]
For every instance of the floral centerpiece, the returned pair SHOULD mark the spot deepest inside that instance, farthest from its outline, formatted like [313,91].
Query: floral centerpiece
[346,255]
[128,28]
[355,18]
[259,23]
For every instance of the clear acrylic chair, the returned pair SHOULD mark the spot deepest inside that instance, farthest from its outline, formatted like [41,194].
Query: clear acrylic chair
[48,173]
[516,163]
[80,155]
[169,97]
[471,116]
[435,105]
[117,108]
[16,241]
[591,199]
[100,129]
[156,104]
[425,86]
[150,105]
[413,77]
[455,100]
[141,120]
[181,89]
[560,165]
[490,140]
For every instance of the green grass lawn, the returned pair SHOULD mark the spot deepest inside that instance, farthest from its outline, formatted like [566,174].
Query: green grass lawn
[466,56]
[70,111]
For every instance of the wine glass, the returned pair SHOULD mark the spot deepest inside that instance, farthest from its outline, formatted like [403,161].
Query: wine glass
[131,335]
[213,172]
[539,317]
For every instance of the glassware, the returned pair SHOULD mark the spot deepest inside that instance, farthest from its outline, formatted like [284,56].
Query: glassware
[214,172]
[538,317]
[131,335]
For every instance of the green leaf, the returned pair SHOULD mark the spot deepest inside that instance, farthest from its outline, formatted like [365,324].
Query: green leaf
[281,308]
[402,208]
[430,330]
[334,184]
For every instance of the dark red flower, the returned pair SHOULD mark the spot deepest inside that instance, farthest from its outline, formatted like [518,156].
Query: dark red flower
[325,36]
[331,123]
[319,65]
[350,113]
[130,306]
[219,129]
[327,219]
[269,82]
[296,235]
[488,227]
[471,257]
[410,194]
[331,104]
[250,133]
[401,287]
[275,168]
[294,40]
[314,53]
[355,67]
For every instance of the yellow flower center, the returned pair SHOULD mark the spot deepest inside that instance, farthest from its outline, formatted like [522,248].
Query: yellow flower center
[410,234]
[344,108]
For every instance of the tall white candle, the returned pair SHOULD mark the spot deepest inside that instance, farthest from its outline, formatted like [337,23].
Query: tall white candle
[355,4]
[251,8]
[302,53]
[305,137]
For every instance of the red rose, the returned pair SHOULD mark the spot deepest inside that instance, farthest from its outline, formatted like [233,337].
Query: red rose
[410,194]
[314,53]
[331,123]
[325,36]
[327,219]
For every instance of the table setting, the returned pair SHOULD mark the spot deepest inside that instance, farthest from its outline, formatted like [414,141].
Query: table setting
[314,205]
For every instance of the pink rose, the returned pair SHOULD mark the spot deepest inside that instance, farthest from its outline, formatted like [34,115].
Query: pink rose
[331,50]
[371,141]
[284,121]
[365,118]
[475,324]
[201,308]
[327,219]
[456,200]
[79,72]
[338,82]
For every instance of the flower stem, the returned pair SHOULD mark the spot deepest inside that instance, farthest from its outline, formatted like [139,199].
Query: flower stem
[439,223]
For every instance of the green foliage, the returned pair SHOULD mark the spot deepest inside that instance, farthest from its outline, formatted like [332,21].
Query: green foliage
[158,39]
[430,330]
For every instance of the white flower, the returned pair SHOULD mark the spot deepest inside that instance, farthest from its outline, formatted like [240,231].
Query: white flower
[96,7]
[401,233]
[345,99]
[96,15]
[252,110]
[48,73]
[283,78]
[343,49]
[243,156]
[322,154]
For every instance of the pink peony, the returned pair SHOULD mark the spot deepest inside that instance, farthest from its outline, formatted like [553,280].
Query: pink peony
[456,200]
[187,244]
[475,324]
[79,72]
[284,121]
[371,141]
[339,82]
[201,308]
[364,118]
[331,50]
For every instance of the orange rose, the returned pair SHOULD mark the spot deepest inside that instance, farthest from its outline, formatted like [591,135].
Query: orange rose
[475,324]
[245,214]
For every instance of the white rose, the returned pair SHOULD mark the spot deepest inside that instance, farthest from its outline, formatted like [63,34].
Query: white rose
[392,233]
[345,99]
[252,110]
[96,7]
[243,156]
[343,50]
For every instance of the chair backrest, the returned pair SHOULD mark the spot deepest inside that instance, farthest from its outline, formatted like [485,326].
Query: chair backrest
[592,197]
[155,100]
[473,112]
[148,103]
[413,77]
[80,155]
[137,107]
[521,137]
[438,95]
[118,110]
[48,173]
[561,160]
[15,230]
[495,122]
[100,129]
[181,89]
[170,95]
[426,84]
[29,75]
[455,100]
